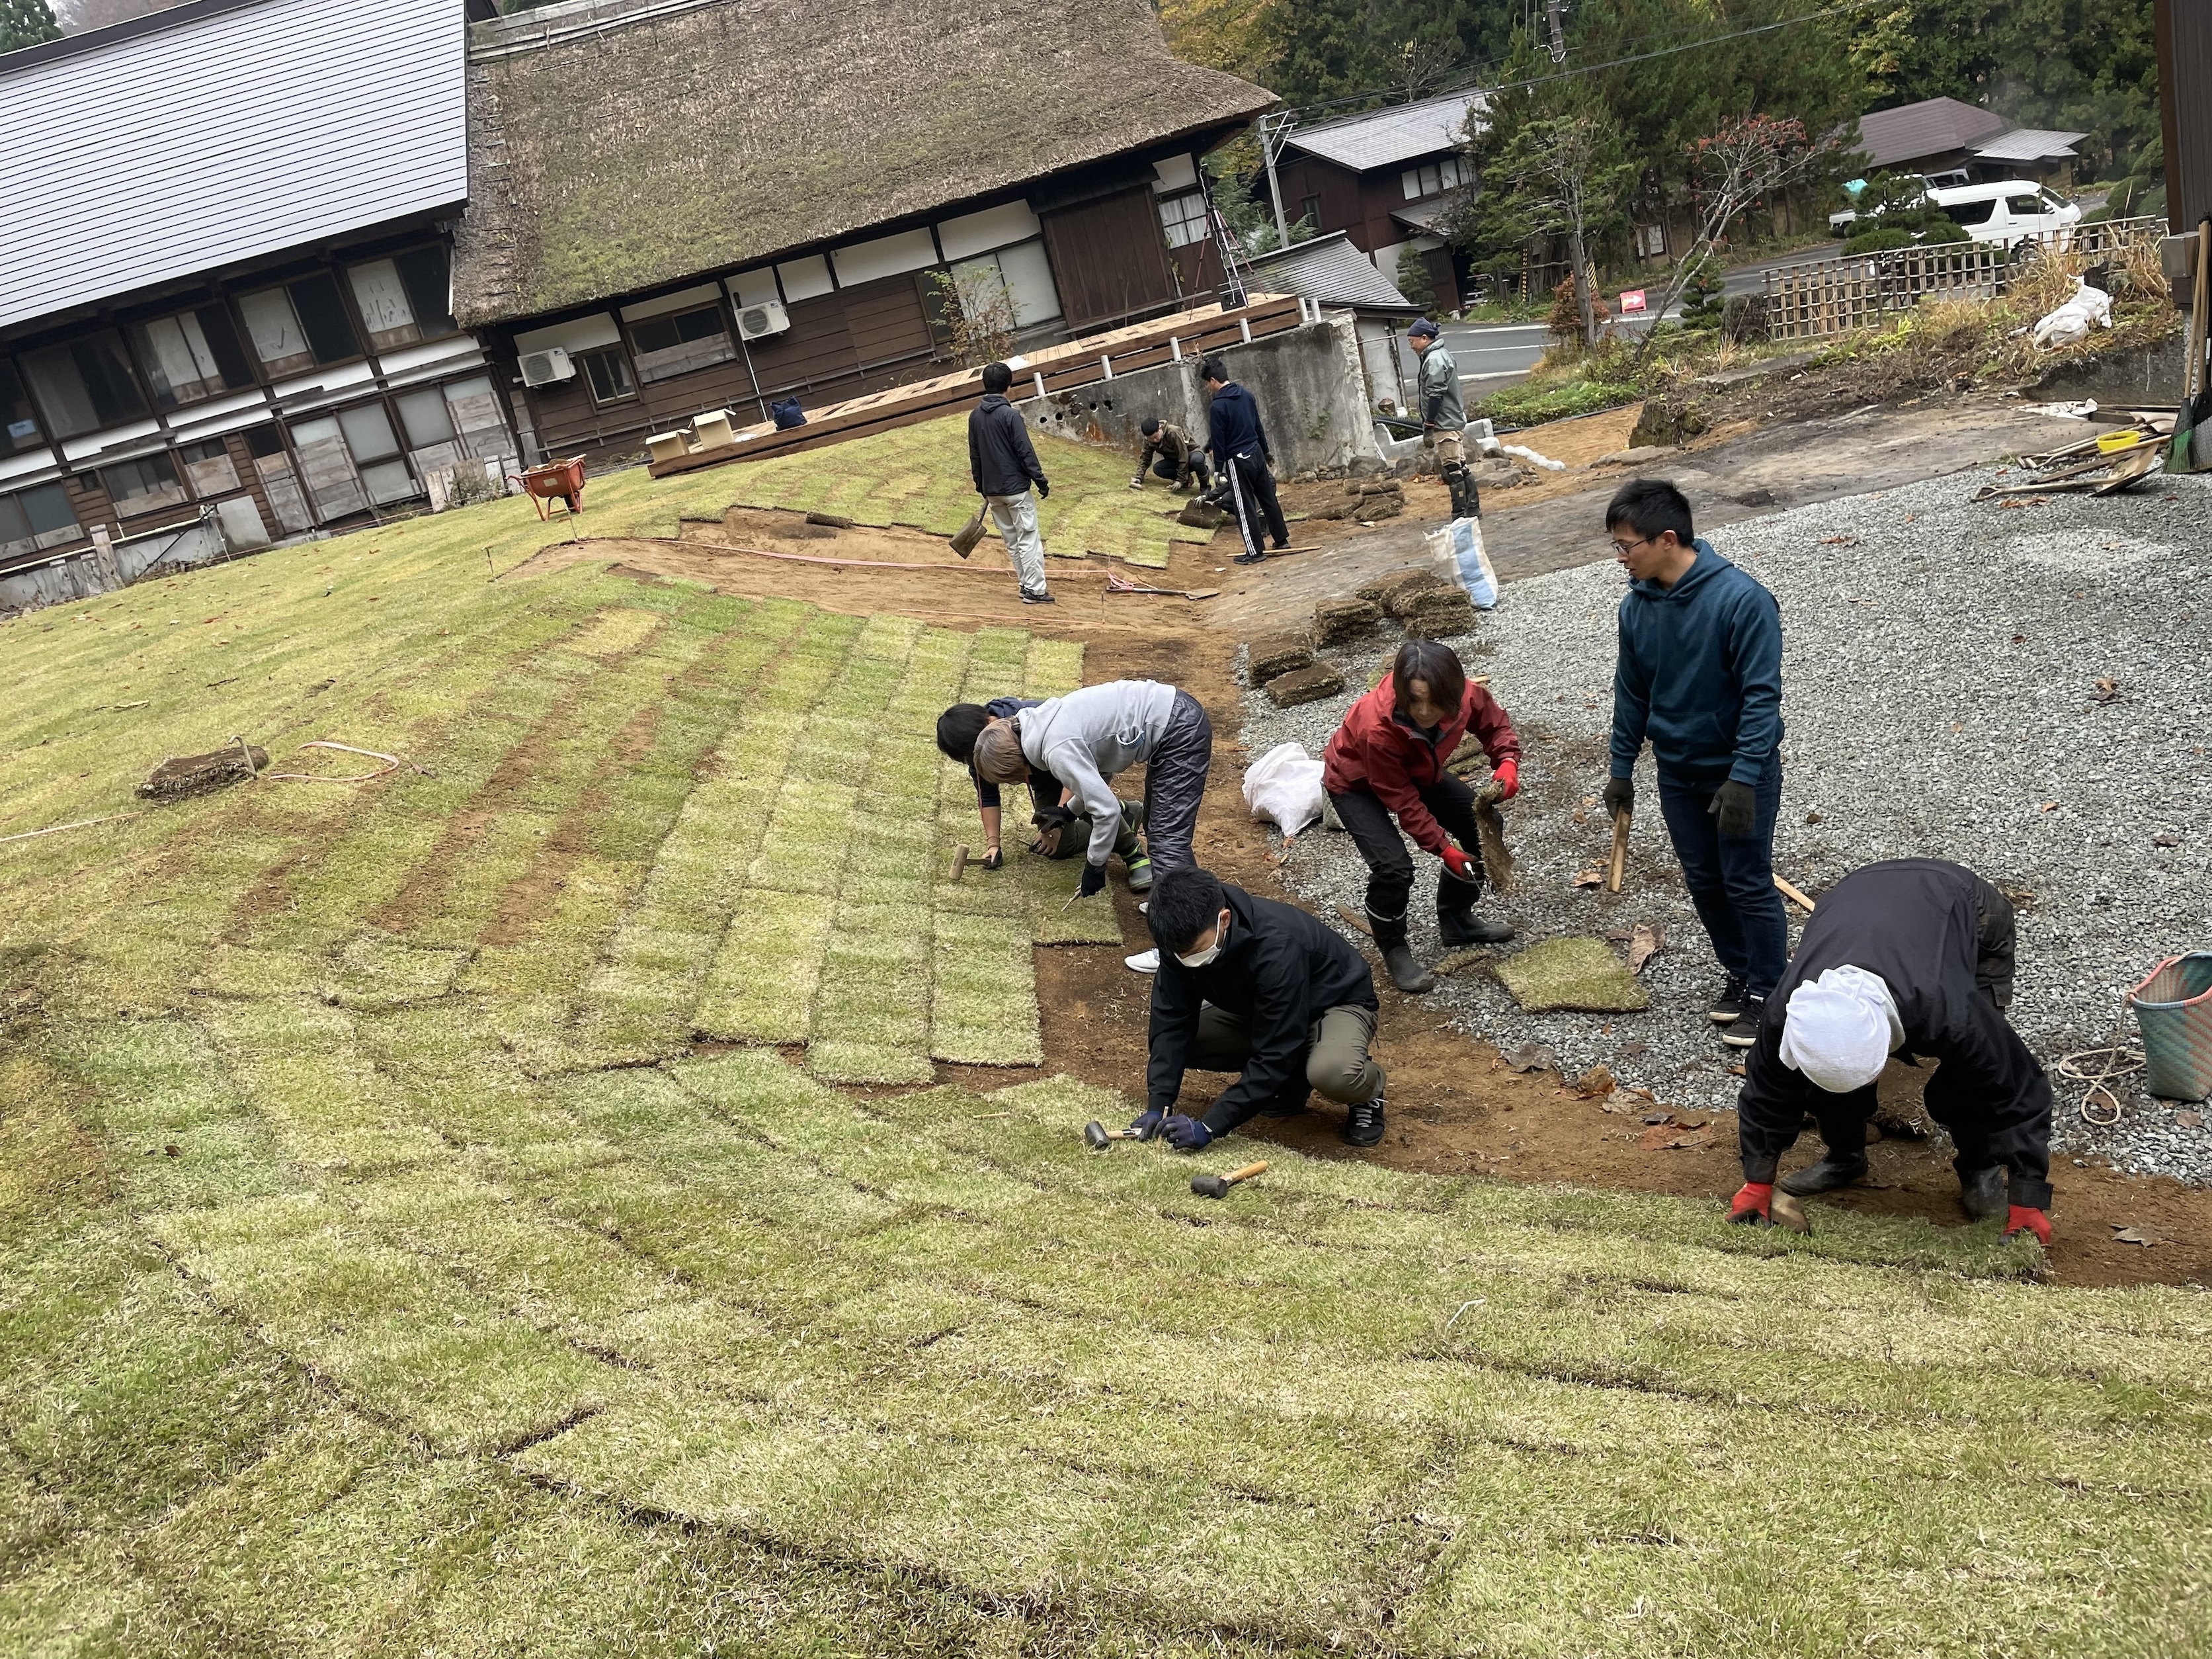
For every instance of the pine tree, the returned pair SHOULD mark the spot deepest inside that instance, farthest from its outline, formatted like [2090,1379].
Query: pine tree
[26,23]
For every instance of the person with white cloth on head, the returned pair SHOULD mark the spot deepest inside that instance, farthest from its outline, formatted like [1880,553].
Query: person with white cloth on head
[1912,959]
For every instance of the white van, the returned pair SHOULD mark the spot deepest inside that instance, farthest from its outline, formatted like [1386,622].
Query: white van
[2009,212]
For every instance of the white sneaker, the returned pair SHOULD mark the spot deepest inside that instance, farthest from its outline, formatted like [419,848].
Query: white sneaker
[1144,962]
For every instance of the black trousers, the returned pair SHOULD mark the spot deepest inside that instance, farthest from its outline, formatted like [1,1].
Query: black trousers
[1193,471]
[1175,784]
[1390,866]
[1252,488]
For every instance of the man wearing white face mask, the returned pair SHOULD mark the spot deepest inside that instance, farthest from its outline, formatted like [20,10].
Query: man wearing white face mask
[1263,990]
[1912,958]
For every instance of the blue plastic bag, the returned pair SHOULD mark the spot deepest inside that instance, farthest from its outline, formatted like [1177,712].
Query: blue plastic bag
[786,412]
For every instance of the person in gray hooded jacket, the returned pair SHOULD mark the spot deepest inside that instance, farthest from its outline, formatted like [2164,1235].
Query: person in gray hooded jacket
[1084,738]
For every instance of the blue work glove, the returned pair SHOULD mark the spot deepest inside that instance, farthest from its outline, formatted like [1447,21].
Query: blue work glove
[1147,1123]
[1094,880]
[1187,1134]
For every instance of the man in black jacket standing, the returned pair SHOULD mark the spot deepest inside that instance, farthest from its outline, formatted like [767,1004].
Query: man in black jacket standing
[1239,443]
[1004,464]
[1913,957]
[1263,990]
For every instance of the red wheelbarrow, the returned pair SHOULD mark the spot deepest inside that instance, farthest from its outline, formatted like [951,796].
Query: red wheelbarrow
[556,480]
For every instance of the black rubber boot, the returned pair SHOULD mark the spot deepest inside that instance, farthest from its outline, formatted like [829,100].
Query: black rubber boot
[1464,927]
[1406,972]
[1833,1173]
[1981,1194]
[1455,481]
[1363,1124]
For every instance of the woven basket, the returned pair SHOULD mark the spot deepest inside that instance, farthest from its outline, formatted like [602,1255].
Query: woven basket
[2174,1007]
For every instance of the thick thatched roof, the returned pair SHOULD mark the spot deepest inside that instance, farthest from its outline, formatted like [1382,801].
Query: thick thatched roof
[608,158]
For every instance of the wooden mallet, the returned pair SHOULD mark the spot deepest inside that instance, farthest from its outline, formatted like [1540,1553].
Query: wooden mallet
[1217,1187]
[1619,867]
[1098,1136]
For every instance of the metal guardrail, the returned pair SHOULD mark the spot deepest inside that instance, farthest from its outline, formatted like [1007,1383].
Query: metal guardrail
[1832,296]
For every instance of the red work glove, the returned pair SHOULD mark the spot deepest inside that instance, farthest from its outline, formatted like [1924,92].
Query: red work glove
[1508,777]
[1753,1202]
[1458,863]
[2019,1218]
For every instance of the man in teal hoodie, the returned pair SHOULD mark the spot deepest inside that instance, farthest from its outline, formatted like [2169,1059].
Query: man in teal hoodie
[1699,676]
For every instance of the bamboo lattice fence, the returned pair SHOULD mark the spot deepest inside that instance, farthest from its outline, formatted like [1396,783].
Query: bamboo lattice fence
[1832,296]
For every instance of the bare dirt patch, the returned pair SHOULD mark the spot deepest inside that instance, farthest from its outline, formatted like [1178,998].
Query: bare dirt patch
[1455,1109]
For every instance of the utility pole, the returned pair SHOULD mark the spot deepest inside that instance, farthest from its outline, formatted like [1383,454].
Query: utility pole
[1271,128]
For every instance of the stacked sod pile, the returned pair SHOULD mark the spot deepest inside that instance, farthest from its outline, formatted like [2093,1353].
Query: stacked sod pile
[389,1270]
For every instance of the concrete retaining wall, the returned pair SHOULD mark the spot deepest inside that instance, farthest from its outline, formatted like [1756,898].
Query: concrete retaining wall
[1309,384]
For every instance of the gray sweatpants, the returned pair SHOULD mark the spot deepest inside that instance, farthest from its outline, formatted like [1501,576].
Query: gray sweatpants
[1015,518]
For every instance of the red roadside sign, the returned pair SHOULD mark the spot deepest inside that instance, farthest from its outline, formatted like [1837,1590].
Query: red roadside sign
[1631,299]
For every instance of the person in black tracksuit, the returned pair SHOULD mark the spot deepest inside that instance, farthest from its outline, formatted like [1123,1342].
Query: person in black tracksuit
[1261,989]
[1239,443]
[1941,940]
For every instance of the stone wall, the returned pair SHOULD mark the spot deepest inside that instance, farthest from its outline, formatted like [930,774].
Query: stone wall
[1309,384]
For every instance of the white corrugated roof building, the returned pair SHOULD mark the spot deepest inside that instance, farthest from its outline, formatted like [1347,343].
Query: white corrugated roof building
[218,131]
[1390,138]
[1331,270]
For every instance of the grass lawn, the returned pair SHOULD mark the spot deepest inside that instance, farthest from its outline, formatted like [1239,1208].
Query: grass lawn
[389,1269]
[918,475]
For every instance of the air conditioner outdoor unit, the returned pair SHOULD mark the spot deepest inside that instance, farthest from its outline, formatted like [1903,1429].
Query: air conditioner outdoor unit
[543,367]
[768,317]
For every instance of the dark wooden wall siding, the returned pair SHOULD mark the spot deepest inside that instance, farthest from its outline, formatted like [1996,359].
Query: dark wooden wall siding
[857,339]
[2184,78]
[1109,260]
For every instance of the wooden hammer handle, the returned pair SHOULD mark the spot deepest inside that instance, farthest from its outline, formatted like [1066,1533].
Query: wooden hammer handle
[1619,867]
[1246,1173]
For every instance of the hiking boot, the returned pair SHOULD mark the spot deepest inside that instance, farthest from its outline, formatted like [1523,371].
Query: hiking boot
[1982,1193]
[1254,558]
[1834,1171]
[1363,1124]
[1464,927]
[1140,874]
[1727,1007]
[1407,974]
[1744,1033]
[1038,599]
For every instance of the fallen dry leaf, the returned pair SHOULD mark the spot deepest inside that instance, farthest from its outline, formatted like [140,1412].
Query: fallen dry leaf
[1648,941]
[1674,1138]
[2189,1120]
[1839,541]
[1530,1057]
[1589,878]
[2138,1234]
[2165,840]
[1595,1084]
[2051,806]
[2108,689]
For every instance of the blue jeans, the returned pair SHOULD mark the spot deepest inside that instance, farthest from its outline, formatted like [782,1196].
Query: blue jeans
[1731,881]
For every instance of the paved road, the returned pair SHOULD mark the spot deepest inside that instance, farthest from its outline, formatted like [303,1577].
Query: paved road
[1491,355]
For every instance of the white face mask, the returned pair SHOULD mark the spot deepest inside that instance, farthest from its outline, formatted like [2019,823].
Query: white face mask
[1201,958]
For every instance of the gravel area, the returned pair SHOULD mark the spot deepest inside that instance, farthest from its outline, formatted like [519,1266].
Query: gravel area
[1940,698]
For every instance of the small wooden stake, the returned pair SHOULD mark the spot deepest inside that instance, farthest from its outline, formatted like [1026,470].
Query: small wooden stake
[1792,894]
[960,861]
[1619,867]
[1353,918]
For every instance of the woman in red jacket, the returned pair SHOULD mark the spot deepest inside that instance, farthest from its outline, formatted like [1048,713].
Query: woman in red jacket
[1387,760]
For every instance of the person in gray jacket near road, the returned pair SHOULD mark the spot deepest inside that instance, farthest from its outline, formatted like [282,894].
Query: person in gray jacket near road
[1444,417]
[1084,738]
[1004,463]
